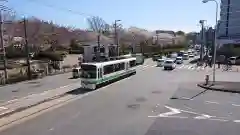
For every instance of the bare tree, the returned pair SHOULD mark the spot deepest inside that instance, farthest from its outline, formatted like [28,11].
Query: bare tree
[98,25]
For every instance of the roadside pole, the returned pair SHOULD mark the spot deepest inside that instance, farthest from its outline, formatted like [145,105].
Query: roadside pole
[116,35]
[27,49]
[98,47]
[3,53]
[202,39]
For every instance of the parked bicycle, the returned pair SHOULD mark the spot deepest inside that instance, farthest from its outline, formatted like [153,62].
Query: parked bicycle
[227,66]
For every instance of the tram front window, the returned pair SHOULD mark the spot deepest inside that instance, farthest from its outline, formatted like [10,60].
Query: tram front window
[88,71]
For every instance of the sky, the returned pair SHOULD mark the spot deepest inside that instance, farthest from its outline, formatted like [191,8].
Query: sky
[147,14]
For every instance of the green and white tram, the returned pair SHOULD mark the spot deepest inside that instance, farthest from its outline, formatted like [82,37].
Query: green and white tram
[95,74]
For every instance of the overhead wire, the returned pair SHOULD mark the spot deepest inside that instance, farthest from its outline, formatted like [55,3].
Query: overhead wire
[62,8]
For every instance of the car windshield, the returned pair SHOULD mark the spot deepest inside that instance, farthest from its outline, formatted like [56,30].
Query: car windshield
[168,62]
[160,60]
[178,58]
[88,71]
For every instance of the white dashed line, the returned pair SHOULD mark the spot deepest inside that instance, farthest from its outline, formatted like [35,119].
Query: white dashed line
[181,67]
[211,102]
[236,121]
[235,105]
[189,67]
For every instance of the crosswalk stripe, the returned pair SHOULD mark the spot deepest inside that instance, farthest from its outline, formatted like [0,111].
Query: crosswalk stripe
[198,68]
[193,67]
[181,67]
[189,67]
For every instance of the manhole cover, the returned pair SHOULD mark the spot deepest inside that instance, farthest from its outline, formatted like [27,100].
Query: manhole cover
[33,82]
[15,90]
[156,92]
[133,106]
[141,99]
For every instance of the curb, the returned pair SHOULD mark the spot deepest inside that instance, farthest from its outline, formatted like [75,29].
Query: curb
[211,87]
[8,113]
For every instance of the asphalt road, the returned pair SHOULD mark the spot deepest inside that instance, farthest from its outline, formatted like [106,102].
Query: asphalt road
[152,102]
[121,108]
[22,89]
[209,113]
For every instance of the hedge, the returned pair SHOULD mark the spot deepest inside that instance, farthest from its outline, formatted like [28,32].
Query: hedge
[54,56]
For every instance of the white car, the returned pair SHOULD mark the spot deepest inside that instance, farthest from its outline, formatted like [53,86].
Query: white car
[179,60]
[160,62]
[185,56]
[169,64]
[191,55]
[233,60]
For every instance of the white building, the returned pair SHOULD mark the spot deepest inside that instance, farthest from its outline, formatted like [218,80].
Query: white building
[90,51]
[229,23]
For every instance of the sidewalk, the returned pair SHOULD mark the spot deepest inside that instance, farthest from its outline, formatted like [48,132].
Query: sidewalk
[9,108]
[23,89]
[233,87]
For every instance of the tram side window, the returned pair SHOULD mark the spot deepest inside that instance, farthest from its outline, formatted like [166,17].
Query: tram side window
[108,69]
[132,63]
[122,66]
[119,67]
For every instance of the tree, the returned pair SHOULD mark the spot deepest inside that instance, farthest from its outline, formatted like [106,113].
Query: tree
[98,25]
[180,33]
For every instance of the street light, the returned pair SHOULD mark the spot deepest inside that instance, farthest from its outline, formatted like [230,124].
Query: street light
[215,38]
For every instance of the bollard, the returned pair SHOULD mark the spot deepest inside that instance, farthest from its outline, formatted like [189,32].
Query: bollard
[206,79]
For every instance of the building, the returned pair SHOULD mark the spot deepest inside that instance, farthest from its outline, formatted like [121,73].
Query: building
[229,23]
[90,51]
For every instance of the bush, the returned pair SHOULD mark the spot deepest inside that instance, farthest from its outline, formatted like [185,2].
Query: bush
[54,56]
[76,51]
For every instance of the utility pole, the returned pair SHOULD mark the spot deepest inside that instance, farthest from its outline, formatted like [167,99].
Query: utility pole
[27,49]
[98,47]
[202,39]
[3,49]
[116,36]
[158,41]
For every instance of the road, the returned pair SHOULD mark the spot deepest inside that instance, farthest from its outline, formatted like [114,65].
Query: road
[132,107]
[22,89]
[210,113]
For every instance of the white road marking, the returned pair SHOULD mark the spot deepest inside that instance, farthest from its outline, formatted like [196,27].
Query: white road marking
[211,102]
[189,67]
[188,107]
[193,68]
[167,114]
[200,116]
[223,120]
[51,129]
[204,116]
[235,105]
[236,121]
[146,67]
[181,67]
